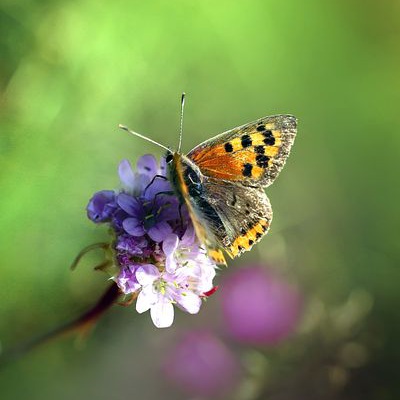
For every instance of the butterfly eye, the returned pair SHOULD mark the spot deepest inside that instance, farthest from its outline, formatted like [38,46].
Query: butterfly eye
[169,158]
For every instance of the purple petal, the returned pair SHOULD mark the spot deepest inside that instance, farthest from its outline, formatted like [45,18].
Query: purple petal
[170,244]
[127,282]
[170,210]
[118,218]
[130,204]
[133,226]
[147,165]
[126,174]
[101,206]
[163,167]
[131,245]
[159,231]
[189,236]
[158,185]
[142,182]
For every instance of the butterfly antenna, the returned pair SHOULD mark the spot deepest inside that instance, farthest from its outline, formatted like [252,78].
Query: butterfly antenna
[125,128]
[181,122]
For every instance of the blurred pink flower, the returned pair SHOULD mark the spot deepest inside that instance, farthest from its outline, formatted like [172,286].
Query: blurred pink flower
[259,306]
[202,365]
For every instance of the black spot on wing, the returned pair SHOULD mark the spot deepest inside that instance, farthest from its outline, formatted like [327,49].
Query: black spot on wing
[264,228]
[246,141]
[247,168]
[228,147]
[261,128]
[262,161]
[269,138]
[259,149]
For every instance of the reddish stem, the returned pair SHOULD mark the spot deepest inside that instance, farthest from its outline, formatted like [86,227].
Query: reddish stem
[82,324]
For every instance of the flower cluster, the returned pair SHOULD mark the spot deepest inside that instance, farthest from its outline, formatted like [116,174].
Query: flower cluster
[160,261]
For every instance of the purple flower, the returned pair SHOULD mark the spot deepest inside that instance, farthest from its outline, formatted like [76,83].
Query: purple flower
[259,307]
[155,247]
[127,281]
[182,251]
[148,216]
[189,276]
[131,245]
[160,290]
[101,206]
[135,183]
[203,366]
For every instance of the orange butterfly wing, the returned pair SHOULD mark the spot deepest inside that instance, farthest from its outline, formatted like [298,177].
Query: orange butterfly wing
[252,154]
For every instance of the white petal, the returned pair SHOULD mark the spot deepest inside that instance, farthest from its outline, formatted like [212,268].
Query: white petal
[190,302]
[146,299]
[162,314]
[205,283]
[146,274]
[170,264]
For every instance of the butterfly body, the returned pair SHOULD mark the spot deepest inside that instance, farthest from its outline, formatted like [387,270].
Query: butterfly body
[222,183]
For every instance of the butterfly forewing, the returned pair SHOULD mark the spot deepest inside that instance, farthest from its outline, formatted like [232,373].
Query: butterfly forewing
[252,154]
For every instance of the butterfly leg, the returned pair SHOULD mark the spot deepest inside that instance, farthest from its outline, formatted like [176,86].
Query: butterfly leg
[167,193]
[152,181]
[180,214]
[128,302]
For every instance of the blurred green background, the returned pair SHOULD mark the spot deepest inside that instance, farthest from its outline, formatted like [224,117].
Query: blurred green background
[71,71]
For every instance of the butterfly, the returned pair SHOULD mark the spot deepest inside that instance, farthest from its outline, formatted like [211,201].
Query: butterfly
[222,182]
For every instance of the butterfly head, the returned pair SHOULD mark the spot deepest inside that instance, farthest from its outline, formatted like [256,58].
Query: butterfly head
[184,175]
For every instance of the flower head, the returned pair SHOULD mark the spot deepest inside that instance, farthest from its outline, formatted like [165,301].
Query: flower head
[158,256]
[259,306]
[101,206]
[203,366]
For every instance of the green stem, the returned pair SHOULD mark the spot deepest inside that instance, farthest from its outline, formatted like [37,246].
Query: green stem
[86,250]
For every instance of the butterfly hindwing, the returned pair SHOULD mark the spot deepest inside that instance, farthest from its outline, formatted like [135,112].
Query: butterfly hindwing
[252,154]
[234,217]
